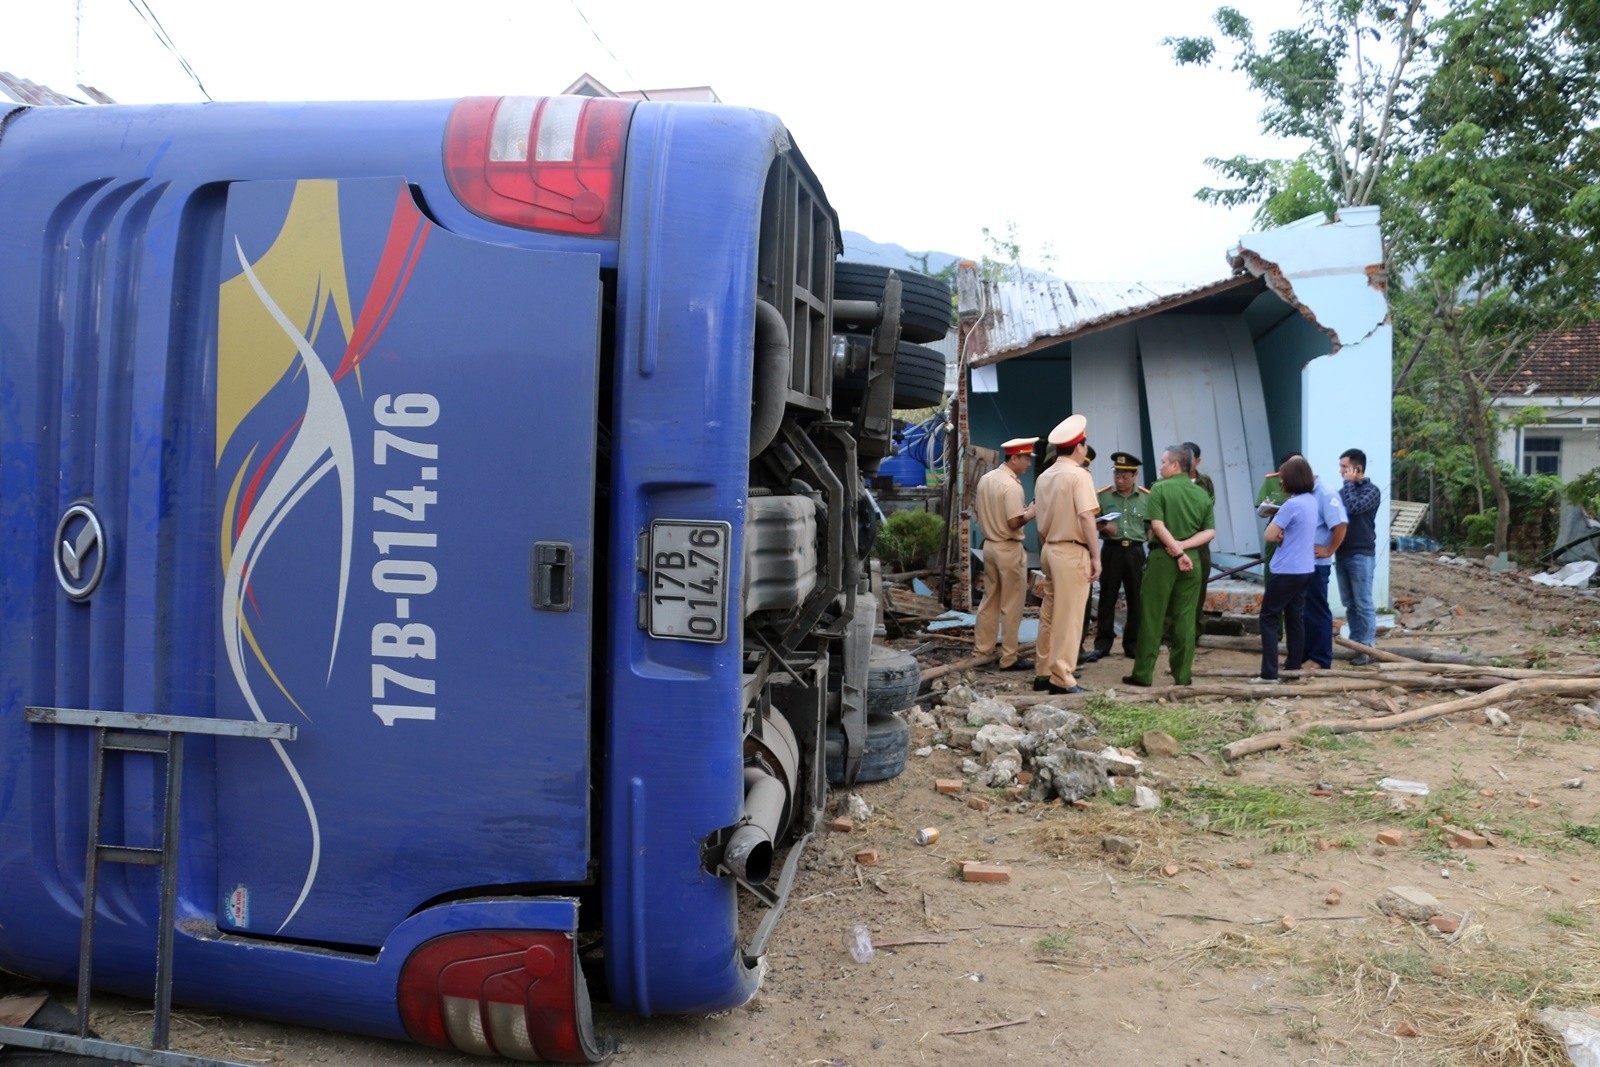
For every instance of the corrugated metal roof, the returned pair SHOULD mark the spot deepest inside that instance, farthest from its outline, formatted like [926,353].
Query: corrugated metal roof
[23,91]
[1024,316]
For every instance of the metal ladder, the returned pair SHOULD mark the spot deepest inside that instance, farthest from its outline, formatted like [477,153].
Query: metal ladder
[121,731]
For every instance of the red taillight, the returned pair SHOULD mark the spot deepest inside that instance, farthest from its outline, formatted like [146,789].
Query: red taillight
[549,163]
[516,994]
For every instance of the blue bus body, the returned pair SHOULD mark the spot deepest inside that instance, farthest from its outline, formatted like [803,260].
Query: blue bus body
[423,484]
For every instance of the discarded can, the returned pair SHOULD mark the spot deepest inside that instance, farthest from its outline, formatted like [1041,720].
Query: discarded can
[927,835]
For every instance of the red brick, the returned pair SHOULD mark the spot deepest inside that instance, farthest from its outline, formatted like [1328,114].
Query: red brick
[1406,1029]
[977,803]
[1535,802]
[948,785]
[1445,924]
[1392,838]
[1455,837]
[985,872]
[1016,792]
[1024,777]
[843,824]
[867,857]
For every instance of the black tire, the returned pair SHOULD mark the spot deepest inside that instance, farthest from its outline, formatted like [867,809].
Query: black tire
[925,309]
[918,377]
[884,757]
[918,380]
[893,678]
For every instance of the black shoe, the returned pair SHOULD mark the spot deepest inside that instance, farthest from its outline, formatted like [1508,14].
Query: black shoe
[1130,653]
[1020,665]
[1129,679]
[1092,657]
[1064,690]
[1040,685]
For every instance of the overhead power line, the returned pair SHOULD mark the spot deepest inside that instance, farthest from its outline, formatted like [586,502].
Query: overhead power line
[601,41]
[144,12]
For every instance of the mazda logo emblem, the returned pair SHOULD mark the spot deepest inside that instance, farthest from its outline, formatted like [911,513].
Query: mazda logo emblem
[80,551]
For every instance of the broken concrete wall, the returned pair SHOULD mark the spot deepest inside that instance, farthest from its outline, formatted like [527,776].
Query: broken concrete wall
[1332,272]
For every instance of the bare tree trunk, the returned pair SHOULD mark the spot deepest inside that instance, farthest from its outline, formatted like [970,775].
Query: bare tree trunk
[1476,403]
[1480,427]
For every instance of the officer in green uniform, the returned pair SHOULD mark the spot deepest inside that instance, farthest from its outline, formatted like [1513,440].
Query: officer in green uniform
[1203,480]
[1182,517]
[1271,492]
[1121,554]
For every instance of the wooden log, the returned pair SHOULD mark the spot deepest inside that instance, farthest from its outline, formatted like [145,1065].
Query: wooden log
[1508,691]
[1454,670]
[906,576]
[968,663]
[1377,654]
[1437,655]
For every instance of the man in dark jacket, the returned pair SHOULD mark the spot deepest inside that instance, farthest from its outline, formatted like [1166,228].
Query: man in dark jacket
[1357,554]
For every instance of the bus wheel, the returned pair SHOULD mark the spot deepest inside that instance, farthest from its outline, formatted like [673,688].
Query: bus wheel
[884,757]
[925,308]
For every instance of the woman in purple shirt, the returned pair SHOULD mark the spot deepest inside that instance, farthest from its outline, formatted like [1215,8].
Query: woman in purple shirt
[1294,527]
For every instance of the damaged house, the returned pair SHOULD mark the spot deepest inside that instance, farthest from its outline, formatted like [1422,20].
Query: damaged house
[1291,350]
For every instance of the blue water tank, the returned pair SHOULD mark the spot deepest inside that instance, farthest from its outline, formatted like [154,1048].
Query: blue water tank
[904,470]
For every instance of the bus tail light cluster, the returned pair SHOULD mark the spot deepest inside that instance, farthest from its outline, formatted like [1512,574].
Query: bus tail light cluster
[517,994]
[550,163]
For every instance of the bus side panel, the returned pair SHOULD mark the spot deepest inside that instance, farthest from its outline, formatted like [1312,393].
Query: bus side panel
[402,415]
[112,238]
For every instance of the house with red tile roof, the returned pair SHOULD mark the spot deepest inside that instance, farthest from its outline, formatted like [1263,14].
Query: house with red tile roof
[1559,376]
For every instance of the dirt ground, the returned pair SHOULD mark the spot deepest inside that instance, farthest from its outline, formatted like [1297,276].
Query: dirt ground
[1241,928]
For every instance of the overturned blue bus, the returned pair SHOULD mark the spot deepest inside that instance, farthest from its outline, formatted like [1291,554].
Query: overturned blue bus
[468,498]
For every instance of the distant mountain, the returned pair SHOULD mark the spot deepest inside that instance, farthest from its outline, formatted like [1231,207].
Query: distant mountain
[861,249]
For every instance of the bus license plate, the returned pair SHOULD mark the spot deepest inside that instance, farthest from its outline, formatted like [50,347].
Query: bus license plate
[688,575]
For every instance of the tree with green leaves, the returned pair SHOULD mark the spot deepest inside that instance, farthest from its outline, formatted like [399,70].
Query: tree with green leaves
[1476,132]
[1494,226]
[1338,82]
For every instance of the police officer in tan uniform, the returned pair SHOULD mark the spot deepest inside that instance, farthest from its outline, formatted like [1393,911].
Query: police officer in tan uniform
[1002,515]
[1070,550]
[1047,599]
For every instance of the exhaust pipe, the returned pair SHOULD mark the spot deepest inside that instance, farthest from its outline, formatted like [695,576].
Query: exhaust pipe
[749,851]
[769,391]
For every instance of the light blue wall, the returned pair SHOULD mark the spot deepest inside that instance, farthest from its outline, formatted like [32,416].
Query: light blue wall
[1035,394]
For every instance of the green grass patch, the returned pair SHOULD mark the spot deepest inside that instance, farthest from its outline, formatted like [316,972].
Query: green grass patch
[1323,741]
[1249,808]
[1564,919]
[1582,832]
[1123,724]
[1053,944]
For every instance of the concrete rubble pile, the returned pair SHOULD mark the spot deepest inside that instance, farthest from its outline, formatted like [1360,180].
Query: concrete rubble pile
[1040,755]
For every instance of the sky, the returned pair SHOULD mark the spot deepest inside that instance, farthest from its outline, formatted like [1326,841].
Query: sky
[926,122]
